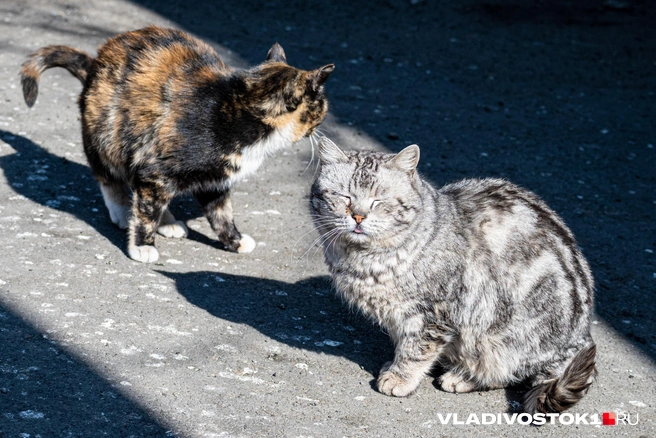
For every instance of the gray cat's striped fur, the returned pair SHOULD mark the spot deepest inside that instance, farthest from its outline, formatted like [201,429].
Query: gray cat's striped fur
[479,276]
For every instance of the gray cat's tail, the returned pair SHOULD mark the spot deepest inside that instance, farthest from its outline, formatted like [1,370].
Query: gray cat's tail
[564,391]
[75,61]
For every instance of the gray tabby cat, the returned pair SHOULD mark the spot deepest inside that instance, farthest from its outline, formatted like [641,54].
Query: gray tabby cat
[479,276]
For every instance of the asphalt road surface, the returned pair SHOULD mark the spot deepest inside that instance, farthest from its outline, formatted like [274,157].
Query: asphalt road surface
[557,96]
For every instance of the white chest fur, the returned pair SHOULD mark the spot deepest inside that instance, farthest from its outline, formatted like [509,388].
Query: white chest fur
[254,155]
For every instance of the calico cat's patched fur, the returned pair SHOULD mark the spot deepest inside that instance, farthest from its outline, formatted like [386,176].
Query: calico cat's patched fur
[162,115]
[479,276]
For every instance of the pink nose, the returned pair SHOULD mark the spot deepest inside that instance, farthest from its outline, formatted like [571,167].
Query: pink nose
[358,218]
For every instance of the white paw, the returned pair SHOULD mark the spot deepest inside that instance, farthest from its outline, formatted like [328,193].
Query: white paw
[120,215]
[144,253]
[176,229]
[451,382]
[390,383]
[246,244]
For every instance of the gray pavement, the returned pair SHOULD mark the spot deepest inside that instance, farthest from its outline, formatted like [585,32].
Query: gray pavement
[556,96]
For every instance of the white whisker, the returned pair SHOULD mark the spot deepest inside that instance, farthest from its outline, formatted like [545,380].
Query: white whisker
[316,169]
[319,241]
[312,144]
[303,225]
[331,245]
[301,238]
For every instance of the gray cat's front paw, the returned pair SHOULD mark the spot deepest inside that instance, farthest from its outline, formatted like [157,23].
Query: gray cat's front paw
[390,383]
[451,382]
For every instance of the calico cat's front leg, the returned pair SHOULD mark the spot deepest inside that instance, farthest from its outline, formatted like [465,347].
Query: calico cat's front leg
[218,211]
[414,356]
[149,202]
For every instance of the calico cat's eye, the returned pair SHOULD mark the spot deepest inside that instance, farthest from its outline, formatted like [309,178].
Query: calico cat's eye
[291,107]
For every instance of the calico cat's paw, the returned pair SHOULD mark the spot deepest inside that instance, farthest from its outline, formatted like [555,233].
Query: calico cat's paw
[390,383]
[451,382]
[246,244]
[170,227]
[176,230]
[144,253]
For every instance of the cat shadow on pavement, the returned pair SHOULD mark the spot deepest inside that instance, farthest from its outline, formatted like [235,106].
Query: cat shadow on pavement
[58,183]
[305,314]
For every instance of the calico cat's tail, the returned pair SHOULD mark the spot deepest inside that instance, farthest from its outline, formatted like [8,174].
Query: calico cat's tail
[75,61]
[564,391]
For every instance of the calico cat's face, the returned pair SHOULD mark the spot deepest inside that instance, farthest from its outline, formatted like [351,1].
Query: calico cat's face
[366,197]
[291,98]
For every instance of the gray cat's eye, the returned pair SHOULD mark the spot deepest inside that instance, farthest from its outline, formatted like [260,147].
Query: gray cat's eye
[346,198]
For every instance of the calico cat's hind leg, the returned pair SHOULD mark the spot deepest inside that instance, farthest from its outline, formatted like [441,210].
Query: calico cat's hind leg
[170,227]
[117,201]
[218,211]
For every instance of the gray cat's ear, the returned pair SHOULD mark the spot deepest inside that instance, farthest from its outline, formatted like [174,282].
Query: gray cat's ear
[276,54]
[330,153]
[320,75]
[407,159]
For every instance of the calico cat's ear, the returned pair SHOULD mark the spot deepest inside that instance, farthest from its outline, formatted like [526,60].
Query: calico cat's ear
[276,54]
[407,159]
[320,75]
[330,153]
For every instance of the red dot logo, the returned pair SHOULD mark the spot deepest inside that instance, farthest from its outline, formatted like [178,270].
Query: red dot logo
[608,419]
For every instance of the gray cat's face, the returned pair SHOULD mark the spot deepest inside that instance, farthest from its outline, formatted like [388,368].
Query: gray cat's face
[365,197]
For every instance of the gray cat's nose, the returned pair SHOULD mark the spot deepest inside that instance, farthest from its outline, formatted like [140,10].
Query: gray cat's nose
[358,218]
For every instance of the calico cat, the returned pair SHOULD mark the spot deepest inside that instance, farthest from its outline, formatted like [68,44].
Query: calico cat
[479,277]
[162,114]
